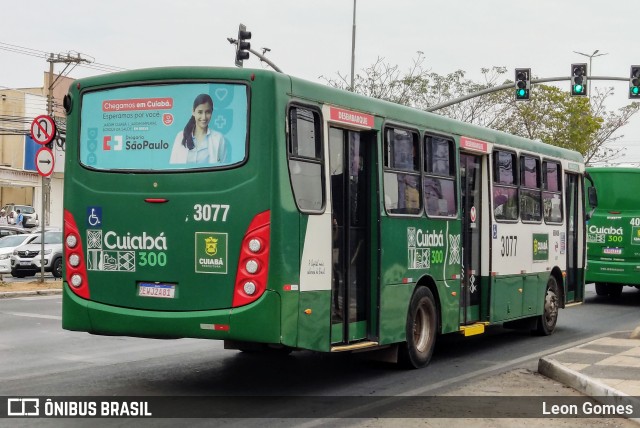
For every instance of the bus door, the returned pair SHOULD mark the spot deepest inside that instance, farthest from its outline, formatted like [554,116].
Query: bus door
[470,186]
[350,154]
[572,188]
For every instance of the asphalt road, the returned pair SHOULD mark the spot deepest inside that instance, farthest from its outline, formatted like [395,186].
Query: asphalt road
[39,358]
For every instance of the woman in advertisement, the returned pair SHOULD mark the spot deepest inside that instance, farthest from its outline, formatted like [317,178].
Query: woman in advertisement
[197,143]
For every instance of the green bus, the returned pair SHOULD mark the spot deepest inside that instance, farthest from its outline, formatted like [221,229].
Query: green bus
[274,213]
[613,231]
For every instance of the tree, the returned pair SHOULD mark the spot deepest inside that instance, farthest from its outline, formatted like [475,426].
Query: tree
[551,115]
[419,88]
[554,117]
[612,122]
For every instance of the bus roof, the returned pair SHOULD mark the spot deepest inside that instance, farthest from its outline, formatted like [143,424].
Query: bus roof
[432,121]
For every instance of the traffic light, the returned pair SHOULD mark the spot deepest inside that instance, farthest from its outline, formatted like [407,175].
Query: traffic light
[579,80]
[523,83]
[242,46]
[634,82]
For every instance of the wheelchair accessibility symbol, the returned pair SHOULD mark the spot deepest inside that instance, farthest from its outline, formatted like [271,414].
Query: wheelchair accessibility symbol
[94,216]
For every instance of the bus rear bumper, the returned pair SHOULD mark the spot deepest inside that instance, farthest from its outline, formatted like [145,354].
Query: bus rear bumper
[256,322]
[613,272]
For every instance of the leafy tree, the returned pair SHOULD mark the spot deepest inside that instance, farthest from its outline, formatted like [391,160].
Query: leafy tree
[555,117]
[551,115]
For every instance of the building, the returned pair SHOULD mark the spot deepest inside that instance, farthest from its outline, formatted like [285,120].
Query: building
[20,182]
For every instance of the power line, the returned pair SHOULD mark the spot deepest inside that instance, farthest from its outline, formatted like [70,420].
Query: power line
[42,54]
[22,50]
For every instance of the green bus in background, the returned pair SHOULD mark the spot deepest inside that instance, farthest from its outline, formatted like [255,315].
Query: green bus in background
[613,230]
[271,212]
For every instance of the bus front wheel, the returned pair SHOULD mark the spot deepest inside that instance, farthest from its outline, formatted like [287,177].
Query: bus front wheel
[420,329]
[547,321]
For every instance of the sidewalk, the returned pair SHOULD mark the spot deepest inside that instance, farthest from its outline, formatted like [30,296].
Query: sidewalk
[32,288]
[28,293]
[606,367]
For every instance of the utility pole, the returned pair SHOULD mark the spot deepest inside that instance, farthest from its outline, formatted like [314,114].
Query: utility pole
[54,59]
[46,181]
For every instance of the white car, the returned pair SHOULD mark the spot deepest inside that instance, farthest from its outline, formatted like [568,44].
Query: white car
[7,245]
[26,258]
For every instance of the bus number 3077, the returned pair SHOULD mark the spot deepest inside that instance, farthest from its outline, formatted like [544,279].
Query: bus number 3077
[209,212]
[509,246]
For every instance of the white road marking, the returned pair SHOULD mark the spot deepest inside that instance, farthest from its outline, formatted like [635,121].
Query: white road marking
[29,315]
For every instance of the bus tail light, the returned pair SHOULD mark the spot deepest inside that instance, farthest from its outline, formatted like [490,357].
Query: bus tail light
[253,263]
[76,271]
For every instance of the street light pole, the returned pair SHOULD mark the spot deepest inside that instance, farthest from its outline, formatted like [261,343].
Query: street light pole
[593,55]
[353,44]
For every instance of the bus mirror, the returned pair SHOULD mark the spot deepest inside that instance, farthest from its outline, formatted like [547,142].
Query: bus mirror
[593,196]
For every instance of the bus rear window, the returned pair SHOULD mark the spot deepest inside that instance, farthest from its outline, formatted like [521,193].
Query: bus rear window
[164,127]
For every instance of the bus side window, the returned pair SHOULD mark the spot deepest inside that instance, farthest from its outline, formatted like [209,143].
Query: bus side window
[530,195]
[439,184]
[505,187]
[552,191]
[402,172]
[305,159]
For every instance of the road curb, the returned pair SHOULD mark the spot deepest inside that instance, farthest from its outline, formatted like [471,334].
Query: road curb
[555,370]
[11,294]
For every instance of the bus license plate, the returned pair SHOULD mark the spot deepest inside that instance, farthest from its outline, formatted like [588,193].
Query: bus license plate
[150,289]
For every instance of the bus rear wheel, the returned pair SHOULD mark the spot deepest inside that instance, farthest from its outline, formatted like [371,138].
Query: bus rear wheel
[547,321]
[607,289]
[601,289]
[420,330]
[615,290]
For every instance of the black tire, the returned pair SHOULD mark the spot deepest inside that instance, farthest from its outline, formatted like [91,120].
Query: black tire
[56,269]
[17,274]
[615,290]
[547,321]
[422,320]
[601,289]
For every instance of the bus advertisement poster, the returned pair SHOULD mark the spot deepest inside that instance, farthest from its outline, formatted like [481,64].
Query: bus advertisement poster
[161,127]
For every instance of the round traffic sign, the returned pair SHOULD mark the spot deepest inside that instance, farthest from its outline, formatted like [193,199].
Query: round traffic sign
[44,161]
[43,129]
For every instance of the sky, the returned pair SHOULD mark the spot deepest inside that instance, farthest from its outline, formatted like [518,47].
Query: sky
[310,39]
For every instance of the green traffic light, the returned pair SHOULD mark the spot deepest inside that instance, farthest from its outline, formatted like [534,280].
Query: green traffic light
[578,89]
[635,90]
[521,93]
